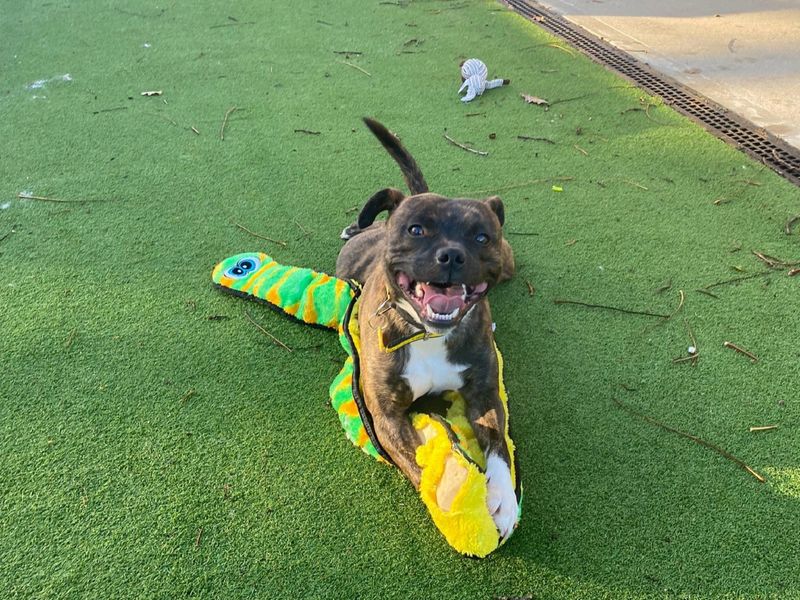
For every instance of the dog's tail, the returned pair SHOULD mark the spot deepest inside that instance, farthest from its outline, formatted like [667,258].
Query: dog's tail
[411,172]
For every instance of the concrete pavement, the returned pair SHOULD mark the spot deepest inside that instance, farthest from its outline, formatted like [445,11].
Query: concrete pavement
[743,54]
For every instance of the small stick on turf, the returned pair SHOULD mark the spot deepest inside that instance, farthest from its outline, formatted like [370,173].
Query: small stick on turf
[267,333]
[694,353]
[356,67]
[763,428]
[680,304]
[300,225]
[633,183]
[787,229]
[772,262]
[707,293]
[234,24]
[193,128]
[694,438]
[531,289]
[737,279]
[70,338]
[581,150]
[187,395]
[228,113]
[24,196]
[308,131]
[562,48]
[463,147]
[353,52]
[527,138]
[8,234]
[736,348]
[614,308]
[263,237]
[197,539]
[105,110]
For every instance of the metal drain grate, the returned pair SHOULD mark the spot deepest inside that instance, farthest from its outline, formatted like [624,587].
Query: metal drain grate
[728,126]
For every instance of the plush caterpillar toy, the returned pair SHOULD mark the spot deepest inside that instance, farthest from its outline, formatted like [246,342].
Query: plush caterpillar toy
[453,483]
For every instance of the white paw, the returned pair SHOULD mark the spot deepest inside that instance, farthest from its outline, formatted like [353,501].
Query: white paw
[501,500]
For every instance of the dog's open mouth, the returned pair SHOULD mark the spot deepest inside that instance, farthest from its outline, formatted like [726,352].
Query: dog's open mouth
[440,304]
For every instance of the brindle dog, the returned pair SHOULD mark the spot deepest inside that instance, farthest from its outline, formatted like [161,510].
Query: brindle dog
[428,268]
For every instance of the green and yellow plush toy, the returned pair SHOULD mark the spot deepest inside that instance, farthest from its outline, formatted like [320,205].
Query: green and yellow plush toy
[453,484]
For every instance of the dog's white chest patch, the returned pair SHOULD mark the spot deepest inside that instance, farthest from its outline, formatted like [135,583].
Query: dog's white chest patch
[428,369]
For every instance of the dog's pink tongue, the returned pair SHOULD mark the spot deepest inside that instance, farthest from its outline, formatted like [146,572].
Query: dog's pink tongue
[444,300]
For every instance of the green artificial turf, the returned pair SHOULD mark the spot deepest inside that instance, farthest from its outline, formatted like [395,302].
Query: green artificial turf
[155,444]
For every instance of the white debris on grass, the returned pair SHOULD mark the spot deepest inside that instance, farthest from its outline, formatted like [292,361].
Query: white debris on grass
[5,205]
[40,83]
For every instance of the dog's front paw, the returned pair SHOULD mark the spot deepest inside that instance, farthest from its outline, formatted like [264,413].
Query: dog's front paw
[500,499]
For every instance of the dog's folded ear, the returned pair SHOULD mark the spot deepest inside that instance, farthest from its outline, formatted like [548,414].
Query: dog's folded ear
[385,200]
[496,205]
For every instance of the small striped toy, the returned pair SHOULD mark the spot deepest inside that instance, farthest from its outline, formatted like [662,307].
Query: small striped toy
[475,79]
[453,486]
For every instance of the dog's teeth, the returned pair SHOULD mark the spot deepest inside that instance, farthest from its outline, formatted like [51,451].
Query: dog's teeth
[434,316]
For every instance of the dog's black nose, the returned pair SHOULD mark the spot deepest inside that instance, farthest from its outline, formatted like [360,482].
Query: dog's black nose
[450,256]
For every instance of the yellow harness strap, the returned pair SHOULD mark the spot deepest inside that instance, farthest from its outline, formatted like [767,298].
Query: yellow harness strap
[392,346]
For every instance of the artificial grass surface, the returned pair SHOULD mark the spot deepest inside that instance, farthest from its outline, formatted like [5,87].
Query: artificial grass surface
[111,467]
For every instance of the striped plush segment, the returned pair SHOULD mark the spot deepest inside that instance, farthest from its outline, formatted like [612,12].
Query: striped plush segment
[344,403]
[305,294]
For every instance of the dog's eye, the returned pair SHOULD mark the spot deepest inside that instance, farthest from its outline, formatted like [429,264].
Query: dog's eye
[482,239]
[416,230]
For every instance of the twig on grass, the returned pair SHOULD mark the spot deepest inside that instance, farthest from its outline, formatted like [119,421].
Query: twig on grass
[70,338]
[581,150]
[707,293]
[12,230]
[531,289]
[562,48]
[680,304]
[735,280]
[26,196]
[614,308]
[787,229]
[356,67]
[263,237]
[772,262]
[233,24]
[527,138]
[348,52]
[267,333]
[694,438]
[187,395]
[197,539]
[305,231]
[633,183]
[694,353]
[463,147]
[763,428]
[105,110]
[736,348]
[308,131]
[228,113]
